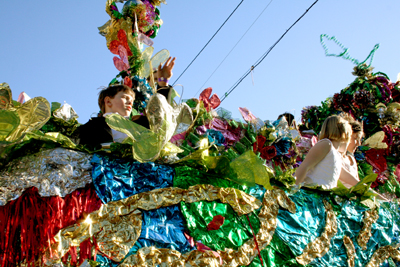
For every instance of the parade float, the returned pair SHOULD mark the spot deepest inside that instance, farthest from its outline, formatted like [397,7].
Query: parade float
[198,188]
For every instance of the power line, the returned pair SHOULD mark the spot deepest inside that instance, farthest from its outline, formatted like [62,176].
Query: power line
[264,55]
[208,41]
[233,47]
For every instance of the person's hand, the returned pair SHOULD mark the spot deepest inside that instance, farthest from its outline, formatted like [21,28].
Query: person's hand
[164,73]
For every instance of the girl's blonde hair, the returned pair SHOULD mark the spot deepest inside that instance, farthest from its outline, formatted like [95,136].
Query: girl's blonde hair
[336,128]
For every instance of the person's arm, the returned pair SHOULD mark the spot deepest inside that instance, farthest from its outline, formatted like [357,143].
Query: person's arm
[314,156]
[347,177]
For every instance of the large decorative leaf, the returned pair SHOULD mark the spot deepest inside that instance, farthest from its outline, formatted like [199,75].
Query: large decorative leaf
[9,120]
[33,114]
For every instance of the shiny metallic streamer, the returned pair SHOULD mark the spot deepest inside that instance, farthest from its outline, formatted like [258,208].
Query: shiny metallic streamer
[320,246]
[110,215]
[350,250]
[370,217]
[55,172]
[273,199]
[382,254]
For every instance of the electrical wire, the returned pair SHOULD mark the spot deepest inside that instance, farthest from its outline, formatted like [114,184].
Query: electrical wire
[208,42]
[233,47]
[264,55]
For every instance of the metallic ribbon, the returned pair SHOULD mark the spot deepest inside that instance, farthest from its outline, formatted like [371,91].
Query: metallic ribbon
[370,217]
[350,250]
[383,253]
[55,172]
[320,246]
[110,215]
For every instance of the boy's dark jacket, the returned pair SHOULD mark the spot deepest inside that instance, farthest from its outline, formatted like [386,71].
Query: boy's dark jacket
[96,131]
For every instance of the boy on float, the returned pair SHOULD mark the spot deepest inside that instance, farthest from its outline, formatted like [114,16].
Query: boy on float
[119,99]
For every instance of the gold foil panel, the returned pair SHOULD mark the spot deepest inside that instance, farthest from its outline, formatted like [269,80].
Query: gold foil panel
[370,217]
[382,254]
[350,250]
[243,256]
[119,234]
[320,245]
[118,222]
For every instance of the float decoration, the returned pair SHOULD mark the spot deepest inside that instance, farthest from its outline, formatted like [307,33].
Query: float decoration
[198,188]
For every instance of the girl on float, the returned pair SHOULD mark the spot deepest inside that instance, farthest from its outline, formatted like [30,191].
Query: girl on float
[323,164]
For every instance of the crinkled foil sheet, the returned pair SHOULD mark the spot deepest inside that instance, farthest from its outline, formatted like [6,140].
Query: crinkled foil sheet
[110,215]
[370,217]
[163,228]
[151,256]
[116,179]
[55,172]
[308,223]
[383,253]
[273,199]
[320,246]
[350,250]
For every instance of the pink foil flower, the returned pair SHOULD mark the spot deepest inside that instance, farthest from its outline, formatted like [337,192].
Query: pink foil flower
[247,115]
[121,63]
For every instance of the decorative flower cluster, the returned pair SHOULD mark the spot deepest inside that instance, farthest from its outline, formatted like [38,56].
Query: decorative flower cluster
[144,13]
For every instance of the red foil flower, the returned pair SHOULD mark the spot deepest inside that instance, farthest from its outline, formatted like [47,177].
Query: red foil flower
[128,82]
[267,152]
[376,157]
[122,40]
[209,102]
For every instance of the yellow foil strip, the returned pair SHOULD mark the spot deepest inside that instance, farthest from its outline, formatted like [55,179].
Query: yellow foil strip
[382,254]
[117,225]
[320,245]
[370,217]
[243,256]
[350,250]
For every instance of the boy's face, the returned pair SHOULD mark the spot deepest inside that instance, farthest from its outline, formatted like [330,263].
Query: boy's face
[120,103]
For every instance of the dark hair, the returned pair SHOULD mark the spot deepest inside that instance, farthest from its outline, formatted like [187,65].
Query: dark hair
[356,126]
[111,91]
[288,116]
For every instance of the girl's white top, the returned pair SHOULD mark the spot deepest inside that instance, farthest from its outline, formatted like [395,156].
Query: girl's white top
[326,173]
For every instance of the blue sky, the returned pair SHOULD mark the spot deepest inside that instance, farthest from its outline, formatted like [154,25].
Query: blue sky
[53,49]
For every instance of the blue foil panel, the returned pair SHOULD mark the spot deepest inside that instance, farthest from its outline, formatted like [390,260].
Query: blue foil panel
[116,179]
[163,228]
